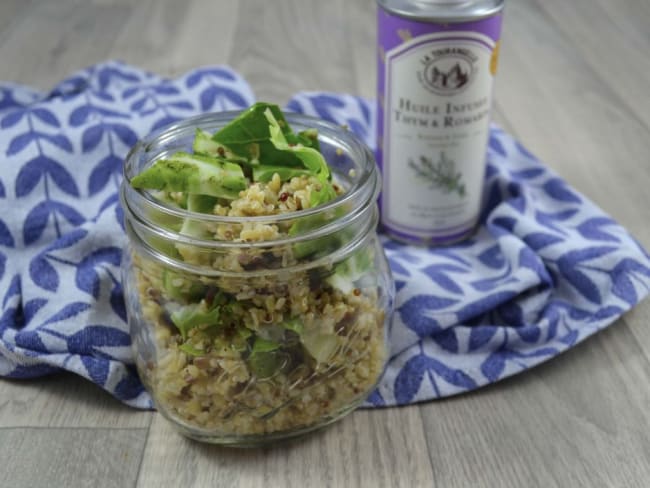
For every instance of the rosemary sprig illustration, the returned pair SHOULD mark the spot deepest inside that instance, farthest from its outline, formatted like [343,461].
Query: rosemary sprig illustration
[441,175]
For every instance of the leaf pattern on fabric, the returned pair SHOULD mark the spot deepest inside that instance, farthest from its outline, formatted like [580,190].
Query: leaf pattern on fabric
[66,152]
[409,380]
[545,270]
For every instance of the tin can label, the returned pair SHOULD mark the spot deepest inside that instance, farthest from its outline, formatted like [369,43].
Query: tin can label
[435,96]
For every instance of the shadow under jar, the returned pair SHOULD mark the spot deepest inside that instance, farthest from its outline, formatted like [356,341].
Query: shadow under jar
[283,318]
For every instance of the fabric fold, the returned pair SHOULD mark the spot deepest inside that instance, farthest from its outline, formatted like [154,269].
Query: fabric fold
[545,270]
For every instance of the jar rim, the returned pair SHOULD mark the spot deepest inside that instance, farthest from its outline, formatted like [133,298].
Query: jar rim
[364,189]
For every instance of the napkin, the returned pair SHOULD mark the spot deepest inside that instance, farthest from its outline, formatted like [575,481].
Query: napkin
[545,270]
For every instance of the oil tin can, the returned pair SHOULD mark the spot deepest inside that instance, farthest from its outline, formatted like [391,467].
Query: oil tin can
[437,61]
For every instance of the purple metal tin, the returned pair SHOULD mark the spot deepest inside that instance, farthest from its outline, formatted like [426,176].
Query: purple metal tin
[436,64]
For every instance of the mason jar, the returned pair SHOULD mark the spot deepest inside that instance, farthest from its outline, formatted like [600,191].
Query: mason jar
[289,312]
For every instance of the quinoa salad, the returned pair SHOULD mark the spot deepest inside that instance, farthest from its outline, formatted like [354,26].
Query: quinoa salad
[265,343]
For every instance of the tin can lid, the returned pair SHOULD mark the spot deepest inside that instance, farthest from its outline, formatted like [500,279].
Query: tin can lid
[442,10]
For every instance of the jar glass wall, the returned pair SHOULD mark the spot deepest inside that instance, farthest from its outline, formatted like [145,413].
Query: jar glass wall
[248,329]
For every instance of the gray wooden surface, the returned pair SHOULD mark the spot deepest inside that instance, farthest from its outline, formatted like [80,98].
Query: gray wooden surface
[572,86]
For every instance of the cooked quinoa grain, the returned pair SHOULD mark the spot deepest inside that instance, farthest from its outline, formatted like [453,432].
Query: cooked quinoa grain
[277,351]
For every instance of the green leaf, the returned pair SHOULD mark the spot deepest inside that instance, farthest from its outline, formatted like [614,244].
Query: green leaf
[306,224]
[179,287]
[250,126]
[308,137]
[352,269]
[322,195]
[201,204]
[191,350]
[244,332]
[177,200]
[265,364]
[248,136]
[293,324]
[265,173]
[319,246]
[193,173]
[321,346]
[265,358]
[308,156]
[262,136]
[190,316]
[264,345]
[206,145]
[166,220]
[162,245]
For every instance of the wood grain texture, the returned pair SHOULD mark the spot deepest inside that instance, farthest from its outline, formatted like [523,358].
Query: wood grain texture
[363,49]
[627,70]
[171,38]
[75,458]
[285,47]
[12,12]
[572,86]
[572,118]
[578,420]
[56,38]
[384,448]
[637,320]
[64,400]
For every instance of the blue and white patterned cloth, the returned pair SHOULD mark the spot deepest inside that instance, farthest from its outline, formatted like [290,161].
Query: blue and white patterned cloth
[546,269]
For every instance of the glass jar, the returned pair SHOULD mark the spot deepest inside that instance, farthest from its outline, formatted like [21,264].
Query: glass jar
[250,329]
